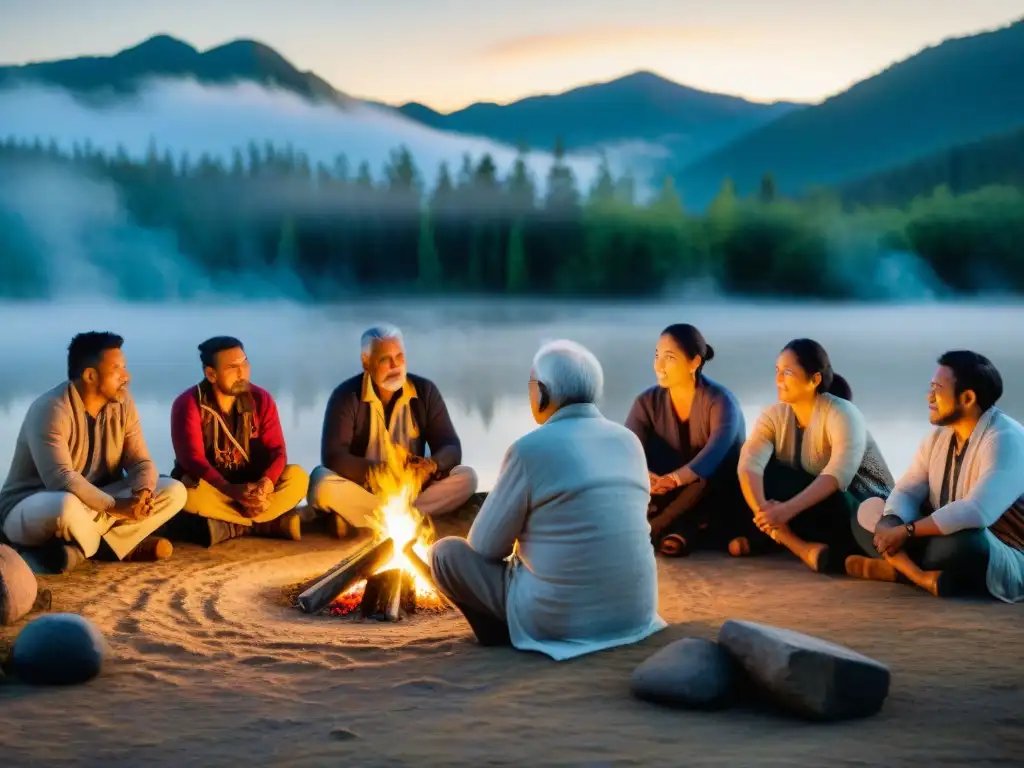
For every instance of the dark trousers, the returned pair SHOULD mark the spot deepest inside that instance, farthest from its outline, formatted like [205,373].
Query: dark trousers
[830,522]
[962,556]
[707,514]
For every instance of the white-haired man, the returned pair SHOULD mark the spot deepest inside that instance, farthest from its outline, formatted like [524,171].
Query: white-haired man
[386,403]
[559,559]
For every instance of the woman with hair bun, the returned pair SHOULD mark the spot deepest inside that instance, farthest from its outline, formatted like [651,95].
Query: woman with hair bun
[809,463]
[691,429]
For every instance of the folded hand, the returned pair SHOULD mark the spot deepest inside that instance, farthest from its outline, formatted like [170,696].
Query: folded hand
[136,507]
[889,541]
[773,514]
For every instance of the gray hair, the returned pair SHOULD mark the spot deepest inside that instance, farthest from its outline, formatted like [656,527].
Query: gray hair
[379,333]
[569,371]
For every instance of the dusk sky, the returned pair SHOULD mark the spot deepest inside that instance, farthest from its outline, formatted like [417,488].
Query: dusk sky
[447,53]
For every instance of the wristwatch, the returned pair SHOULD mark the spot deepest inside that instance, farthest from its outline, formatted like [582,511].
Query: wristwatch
[910,530]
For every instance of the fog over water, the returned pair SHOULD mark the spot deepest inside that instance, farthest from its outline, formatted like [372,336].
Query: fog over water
[479,354]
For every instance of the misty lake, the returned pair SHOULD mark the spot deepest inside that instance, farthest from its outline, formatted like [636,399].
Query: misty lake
[479,354]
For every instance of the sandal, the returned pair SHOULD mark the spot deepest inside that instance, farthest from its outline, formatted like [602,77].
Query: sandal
[673,545]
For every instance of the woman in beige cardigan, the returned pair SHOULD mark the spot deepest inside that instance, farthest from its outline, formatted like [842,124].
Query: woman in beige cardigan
[809,462]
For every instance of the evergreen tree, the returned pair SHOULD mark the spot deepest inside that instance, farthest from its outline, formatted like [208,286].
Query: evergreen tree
[430,277]
[516,271]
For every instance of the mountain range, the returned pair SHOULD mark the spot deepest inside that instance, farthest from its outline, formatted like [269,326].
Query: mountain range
[960,91]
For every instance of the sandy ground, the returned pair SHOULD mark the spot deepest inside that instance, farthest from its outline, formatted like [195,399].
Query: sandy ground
[209,668]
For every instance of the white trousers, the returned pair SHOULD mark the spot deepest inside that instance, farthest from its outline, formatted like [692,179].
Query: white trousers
[332,493]
[46,515]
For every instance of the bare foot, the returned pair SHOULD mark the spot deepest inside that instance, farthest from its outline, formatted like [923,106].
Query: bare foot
[871,568]
[739,547]
[932,583]
[673,545]
[815,557]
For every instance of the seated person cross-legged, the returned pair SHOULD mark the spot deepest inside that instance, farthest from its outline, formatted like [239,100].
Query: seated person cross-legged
[82,482]
[954,523]
[559,558]
[808,463]
[230,453]
[383,405]
[691,429]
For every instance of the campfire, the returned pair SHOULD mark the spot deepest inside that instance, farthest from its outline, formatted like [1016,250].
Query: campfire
[387,578]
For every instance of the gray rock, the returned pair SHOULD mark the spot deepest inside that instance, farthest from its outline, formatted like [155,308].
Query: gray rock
[691,672]
[58,649]
[18,586]
[806,675]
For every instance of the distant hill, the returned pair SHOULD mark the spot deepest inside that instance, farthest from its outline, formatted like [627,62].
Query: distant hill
[955,92]
[964,168]
[165,56]
[639,107]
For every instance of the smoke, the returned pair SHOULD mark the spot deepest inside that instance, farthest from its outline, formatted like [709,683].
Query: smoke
[186,116]
[91,247]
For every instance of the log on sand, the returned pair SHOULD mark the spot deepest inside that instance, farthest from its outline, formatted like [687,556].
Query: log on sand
[360,565]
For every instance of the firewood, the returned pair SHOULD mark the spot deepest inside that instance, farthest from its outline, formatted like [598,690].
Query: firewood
[383,595]
[424,571]
[360,566]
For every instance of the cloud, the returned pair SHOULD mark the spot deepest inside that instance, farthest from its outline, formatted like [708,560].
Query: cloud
[185,116]
[598,39]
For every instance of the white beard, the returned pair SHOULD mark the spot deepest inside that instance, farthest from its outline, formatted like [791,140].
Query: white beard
[392,385]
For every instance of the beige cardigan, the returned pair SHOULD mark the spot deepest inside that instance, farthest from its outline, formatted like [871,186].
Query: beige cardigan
[836,443]
[53,444]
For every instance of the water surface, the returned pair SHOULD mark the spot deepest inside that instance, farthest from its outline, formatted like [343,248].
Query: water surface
[479,354]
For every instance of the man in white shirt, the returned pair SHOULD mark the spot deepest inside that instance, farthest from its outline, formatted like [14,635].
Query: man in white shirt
[955,521]
[559,559]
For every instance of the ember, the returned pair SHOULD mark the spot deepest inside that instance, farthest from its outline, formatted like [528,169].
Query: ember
[386,578]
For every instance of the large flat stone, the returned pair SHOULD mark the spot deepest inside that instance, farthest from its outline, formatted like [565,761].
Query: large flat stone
[807,675]
[691,672]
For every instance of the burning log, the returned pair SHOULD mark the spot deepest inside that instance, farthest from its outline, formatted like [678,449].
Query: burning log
[424,572]
[360,565]
[388,595]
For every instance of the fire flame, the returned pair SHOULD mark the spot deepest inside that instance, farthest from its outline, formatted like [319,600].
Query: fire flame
[397,485]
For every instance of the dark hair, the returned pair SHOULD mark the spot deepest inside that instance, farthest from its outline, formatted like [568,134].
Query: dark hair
[209,349]
[813,358]
[86,351]
[974,372]
[691,341]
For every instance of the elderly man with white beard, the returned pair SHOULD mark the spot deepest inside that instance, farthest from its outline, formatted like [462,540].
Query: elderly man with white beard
[385,404]
[559,559]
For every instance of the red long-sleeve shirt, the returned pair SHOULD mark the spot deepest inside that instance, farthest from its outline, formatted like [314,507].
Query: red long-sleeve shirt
[191,454]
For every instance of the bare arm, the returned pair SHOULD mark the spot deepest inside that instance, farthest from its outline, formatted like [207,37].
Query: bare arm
[503,515]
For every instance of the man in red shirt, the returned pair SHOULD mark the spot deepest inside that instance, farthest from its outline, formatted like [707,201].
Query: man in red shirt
[230,453]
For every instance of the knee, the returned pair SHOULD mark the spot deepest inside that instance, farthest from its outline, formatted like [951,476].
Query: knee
[890,521]
[316,486]
[870,512]
[71,511]
[444,552]
[297,478]
[171,493]
[469,479]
